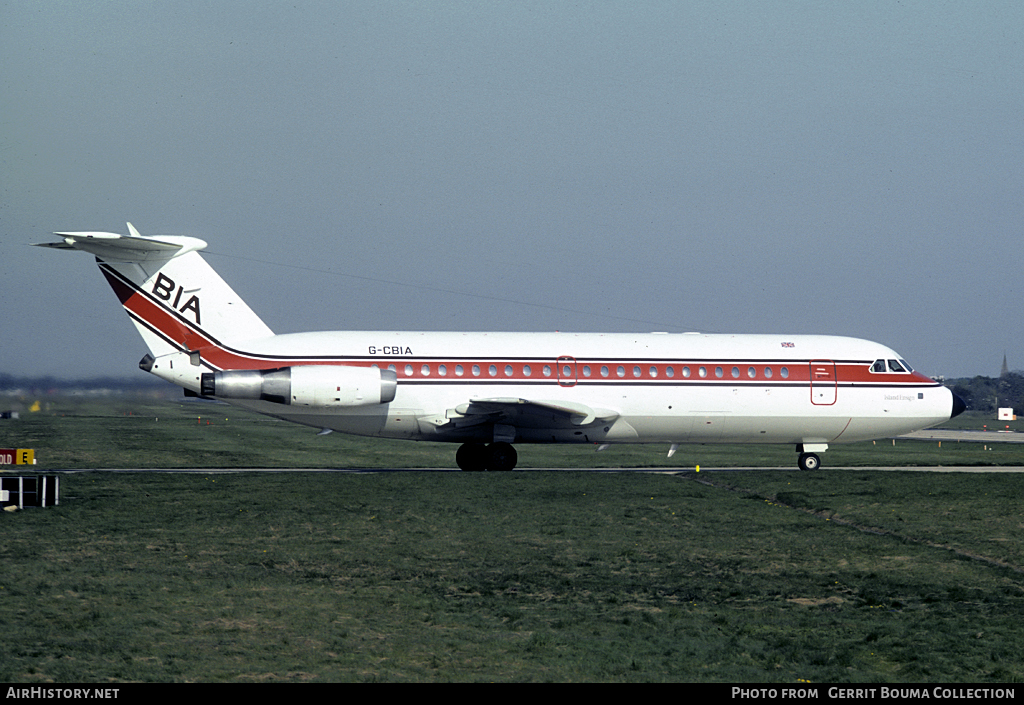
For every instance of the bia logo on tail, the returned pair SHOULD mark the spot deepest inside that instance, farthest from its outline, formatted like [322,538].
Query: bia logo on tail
[164,287]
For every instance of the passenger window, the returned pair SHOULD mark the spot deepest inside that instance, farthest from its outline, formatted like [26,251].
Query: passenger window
[735,372]
[586,370]
[784,372]
[547,370]
[621,371]
[508,370]
[703,371]
[751,372]
[492,370]
[653,372]
[768,372]
[670,372]
[719,372]
[476,370]
[458,371]
[686,371]
[527,371]
[442,370]
[604,370]
[425,370]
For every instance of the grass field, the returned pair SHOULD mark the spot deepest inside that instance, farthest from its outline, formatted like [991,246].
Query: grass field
[140,433]
[769,576]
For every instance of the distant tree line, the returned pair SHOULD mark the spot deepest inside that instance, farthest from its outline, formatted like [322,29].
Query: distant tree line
[990,393]
[55,385]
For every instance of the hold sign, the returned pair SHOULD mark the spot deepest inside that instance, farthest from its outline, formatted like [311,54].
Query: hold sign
[17,456]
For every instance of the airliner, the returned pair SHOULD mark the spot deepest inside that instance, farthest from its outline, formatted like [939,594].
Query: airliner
[489,391]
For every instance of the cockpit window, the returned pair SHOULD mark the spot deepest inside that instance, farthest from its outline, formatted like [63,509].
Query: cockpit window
[891,366]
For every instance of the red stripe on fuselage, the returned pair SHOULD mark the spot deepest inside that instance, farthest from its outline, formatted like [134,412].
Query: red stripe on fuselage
[638,372]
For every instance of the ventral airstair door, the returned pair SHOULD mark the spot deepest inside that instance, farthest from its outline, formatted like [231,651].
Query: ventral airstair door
[823,382]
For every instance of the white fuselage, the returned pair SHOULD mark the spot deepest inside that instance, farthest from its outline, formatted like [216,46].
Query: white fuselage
[686,388]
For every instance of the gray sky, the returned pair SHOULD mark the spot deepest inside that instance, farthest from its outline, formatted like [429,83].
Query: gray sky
[744,167]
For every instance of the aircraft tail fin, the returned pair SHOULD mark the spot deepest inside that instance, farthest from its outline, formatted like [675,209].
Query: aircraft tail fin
[176,300]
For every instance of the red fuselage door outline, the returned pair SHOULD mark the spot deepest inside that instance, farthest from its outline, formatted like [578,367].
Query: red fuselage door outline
[824,383]
[566,366]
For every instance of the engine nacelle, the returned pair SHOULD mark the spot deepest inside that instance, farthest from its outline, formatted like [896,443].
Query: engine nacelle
[305,385]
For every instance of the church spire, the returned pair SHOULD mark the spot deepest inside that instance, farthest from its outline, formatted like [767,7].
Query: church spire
[1006,370]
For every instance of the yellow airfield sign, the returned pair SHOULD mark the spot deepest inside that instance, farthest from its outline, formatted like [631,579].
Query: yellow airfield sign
[17,456]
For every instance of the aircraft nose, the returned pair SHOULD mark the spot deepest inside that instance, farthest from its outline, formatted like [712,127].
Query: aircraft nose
[959,406]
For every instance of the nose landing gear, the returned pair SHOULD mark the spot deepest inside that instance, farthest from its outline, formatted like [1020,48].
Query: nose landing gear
[809,461]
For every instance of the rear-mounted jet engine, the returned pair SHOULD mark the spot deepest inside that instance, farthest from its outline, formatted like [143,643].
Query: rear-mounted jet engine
[305,385]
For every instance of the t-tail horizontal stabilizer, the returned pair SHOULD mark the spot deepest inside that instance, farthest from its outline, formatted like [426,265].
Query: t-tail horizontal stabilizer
[112,247]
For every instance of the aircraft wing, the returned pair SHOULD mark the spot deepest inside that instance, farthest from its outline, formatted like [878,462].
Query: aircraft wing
[526,413]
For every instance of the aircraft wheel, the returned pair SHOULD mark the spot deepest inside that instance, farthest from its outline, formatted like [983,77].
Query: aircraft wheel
[472,457]
[809,461]
[503,457]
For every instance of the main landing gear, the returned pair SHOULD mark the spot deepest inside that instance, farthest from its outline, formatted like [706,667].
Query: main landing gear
[496,457]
